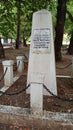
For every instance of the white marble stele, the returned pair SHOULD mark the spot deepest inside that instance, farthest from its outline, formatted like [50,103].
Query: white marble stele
[41,58]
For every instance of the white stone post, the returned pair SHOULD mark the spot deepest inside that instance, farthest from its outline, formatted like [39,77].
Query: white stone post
[8,78]
[72,68]
[20,63]
[36,93]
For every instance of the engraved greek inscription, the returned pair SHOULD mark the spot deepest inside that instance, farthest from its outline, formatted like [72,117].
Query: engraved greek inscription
[41,38]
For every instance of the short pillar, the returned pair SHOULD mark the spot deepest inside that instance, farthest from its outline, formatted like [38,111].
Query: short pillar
[8,78]
[72,68]
[20,63]
[36,94]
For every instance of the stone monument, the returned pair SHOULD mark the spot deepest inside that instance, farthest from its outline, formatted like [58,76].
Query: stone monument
[41,68]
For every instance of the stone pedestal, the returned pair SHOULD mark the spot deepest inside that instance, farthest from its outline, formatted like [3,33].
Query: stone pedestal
[20,63]
[8,78]
[36,93]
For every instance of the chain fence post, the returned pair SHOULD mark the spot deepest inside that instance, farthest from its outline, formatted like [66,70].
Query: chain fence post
[8,78]
[20,63]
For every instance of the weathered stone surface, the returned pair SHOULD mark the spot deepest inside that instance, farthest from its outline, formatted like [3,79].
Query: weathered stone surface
[41,59]
[48,121]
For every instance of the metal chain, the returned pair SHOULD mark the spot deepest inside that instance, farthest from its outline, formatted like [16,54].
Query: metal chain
[58,97]
[18,64]
[63,66]
[3,75]
[25,57]
[16,93]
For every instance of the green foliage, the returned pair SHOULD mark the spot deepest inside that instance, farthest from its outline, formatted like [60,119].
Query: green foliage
[8,16]
[68,22]
[7,19]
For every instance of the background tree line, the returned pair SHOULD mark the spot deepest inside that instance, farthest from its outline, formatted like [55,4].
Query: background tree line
[16,21]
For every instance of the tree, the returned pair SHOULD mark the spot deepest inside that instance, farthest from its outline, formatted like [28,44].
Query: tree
[29,7]
[61,13]
[18,4]
[2,54]
[16,18]
[11,15]
[7,19]
[70,49]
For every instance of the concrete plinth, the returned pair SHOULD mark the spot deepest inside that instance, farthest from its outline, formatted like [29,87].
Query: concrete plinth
[36,93]
[8,78]
[20,63]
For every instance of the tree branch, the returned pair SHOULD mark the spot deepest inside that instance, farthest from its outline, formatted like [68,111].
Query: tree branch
[70,15]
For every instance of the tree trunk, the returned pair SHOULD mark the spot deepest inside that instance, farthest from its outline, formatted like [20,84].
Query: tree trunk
[61,12]
[70,49]
[24,41]
[2,54]
[18,24]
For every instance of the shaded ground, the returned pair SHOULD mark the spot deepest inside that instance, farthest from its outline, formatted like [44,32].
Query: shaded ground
[11,127]
[64,86]
[50,103]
